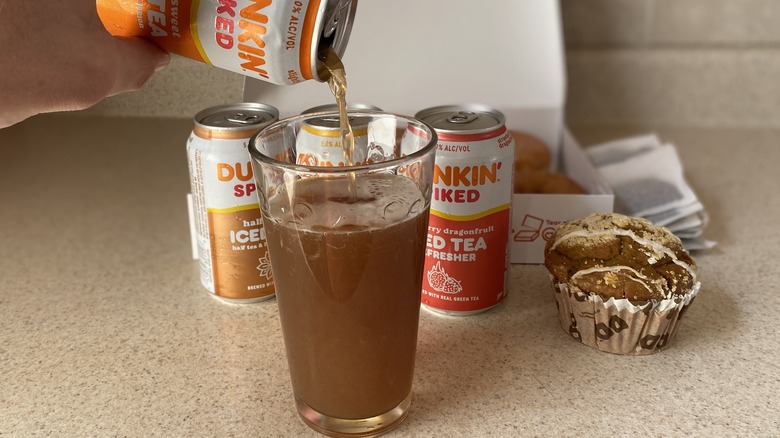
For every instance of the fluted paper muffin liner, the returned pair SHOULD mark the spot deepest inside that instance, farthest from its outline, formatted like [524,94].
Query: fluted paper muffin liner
[618,326]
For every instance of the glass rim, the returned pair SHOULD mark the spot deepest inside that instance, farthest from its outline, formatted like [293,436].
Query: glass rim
[277,125]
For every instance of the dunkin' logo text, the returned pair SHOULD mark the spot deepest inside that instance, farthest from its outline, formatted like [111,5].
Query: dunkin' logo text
[451,183]
[241,173]
[251,46]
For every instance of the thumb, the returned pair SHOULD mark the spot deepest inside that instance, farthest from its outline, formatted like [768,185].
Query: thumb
[135,60]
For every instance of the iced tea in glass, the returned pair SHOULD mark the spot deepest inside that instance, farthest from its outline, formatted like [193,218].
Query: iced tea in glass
[347,252]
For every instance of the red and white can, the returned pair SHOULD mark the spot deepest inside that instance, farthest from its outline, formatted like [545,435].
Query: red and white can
[276,41]
[233,255]
[467,254]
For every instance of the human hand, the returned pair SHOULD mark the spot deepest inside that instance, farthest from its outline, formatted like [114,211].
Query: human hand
[57,56]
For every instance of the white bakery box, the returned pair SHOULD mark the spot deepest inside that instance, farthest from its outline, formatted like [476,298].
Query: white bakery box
[407,55]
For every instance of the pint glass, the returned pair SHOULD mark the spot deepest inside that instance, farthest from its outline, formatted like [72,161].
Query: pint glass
[347,253]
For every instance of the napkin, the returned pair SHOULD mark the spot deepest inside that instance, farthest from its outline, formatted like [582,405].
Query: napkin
[648,180]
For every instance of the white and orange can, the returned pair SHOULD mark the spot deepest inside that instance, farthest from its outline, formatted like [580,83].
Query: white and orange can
[319,140]
[276,41]
[234,261]
[467,253]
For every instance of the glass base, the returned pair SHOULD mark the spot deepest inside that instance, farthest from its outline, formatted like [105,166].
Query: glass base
[365,427]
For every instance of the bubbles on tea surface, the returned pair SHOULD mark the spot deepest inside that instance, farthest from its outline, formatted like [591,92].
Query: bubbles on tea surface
[322,204]
[400,198]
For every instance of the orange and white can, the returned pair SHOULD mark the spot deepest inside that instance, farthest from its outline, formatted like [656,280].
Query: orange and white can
[319,140]
[277,41]
[234,261]
[467,253]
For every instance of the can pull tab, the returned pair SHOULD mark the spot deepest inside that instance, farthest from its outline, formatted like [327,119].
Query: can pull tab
[462,117]
[244,119]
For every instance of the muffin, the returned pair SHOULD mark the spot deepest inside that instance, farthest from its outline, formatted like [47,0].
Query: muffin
[621,283]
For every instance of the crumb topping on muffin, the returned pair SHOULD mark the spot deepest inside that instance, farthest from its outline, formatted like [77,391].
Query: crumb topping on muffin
[618,256]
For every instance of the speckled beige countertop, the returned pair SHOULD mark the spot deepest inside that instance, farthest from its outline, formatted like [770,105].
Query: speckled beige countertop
[106,331]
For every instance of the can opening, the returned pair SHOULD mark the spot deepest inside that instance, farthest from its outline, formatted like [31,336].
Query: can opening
[463,117]
[241,118]
[335,29]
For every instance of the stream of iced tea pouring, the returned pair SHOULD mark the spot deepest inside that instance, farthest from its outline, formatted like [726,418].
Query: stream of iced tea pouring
[337,81]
